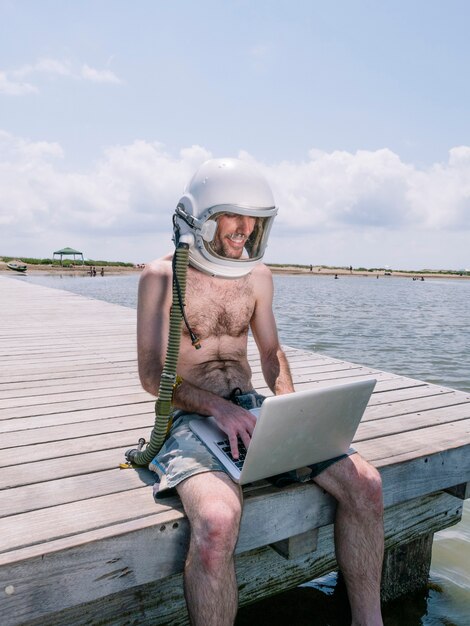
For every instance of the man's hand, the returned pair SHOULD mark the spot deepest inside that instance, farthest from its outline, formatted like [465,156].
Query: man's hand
[236,422]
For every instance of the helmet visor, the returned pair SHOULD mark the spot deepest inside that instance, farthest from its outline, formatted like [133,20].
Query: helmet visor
[238,237]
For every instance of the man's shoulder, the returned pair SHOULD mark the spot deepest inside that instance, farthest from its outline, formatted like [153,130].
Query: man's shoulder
[158,268]
[262,280]
[261,271]
[157,271]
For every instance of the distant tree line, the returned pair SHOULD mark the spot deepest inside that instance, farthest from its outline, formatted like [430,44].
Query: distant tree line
[372,269]
[66,262]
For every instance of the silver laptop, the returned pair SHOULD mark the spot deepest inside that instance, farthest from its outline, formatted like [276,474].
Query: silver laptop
[292,430]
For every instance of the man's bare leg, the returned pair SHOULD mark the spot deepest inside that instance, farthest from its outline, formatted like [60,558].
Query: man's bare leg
[359,540]
[213,505]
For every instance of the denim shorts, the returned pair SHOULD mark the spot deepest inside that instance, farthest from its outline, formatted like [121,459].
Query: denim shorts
[184,455]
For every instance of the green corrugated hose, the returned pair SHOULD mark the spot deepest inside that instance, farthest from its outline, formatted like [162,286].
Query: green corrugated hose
[163,405]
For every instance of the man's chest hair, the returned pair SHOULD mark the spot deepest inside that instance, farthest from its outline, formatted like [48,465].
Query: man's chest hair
[217,307]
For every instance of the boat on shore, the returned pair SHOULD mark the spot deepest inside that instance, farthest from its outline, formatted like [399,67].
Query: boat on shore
[17,266]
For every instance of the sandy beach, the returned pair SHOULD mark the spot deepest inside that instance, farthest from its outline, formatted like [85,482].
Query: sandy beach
[344,272]
[78,270]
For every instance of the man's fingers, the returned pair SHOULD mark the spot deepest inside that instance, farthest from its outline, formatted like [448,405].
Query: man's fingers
[252,423]
[233,440]
[239,424]
[246,438]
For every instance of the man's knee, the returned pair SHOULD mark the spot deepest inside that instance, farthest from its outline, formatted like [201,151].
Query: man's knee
[355,483]
[366,487]
[215,533]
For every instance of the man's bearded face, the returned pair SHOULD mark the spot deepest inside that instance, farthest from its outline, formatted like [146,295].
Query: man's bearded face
[232,232]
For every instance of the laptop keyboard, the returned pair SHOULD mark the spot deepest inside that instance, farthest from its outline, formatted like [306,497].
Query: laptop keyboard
[224,446]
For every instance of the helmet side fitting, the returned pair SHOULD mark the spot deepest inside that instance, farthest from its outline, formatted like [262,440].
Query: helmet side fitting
[223,186]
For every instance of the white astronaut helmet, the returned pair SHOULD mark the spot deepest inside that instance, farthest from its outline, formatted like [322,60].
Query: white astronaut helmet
[232,189]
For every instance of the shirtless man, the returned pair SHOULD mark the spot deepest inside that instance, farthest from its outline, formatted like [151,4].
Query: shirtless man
[229,291]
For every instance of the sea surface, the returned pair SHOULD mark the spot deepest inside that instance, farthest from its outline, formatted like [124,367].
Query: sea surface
[419,329]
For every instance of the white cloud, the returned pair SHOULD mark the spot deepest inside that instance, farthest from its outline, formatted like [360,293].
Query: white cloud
[131,189]
[44,66]
[340,188]
[12,81]
[440,196]
[99,76]
[360,206]
[14,87]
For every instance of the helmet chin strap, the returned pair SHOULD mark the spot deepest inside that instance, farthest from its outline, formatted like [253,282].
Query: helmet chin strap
[207,228]
[190,220]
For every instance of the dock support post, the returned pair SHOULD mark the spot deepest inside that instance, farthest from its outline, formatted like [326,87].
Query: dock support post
[406,567]
[461,491]
[298,545]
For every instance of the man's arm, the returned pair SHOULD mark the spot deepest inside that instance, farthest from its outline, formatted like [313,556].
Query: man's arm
[274,363]
[153,310]
[231,418]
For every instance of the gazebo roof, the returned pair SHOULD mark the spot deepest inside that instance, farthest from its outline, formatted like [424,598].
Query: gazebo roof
[67,251]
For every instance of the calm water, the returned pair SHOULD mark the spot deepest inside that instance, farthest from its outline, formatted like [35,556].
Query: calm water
[414,328]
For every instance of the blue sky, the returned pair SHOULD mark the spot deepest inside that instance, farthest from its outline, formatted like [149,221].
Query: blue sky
[356,111]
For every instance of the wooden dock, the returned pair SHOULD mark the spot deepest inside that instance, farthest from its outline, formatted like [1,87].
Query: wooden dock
[83,542]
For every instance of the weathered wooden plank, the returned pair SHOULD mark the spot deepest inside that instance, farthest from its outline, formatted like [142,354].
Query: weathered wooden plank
[122,322]
[67,372]
[77,446]
[78,405]
[74,519]
[15,349]
[75,417]
[71,396]
[78,360]
[298,545]
[397,383]
[424,474]
[122,328]
[392,396]
[384,379]
[322,380]
[297,360]
[32,436]
[353,371]
[51,469]
[418,404]
[49,494]
[404,447]
[385,426]
[39,388]
[34,373]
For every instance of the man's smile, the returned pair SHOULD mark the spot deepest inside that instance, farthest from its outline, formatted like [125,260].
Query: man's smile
[237,238]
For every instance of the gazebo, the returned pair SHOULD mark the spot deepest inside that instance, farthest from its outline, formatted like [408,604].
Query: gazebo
[68,252]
